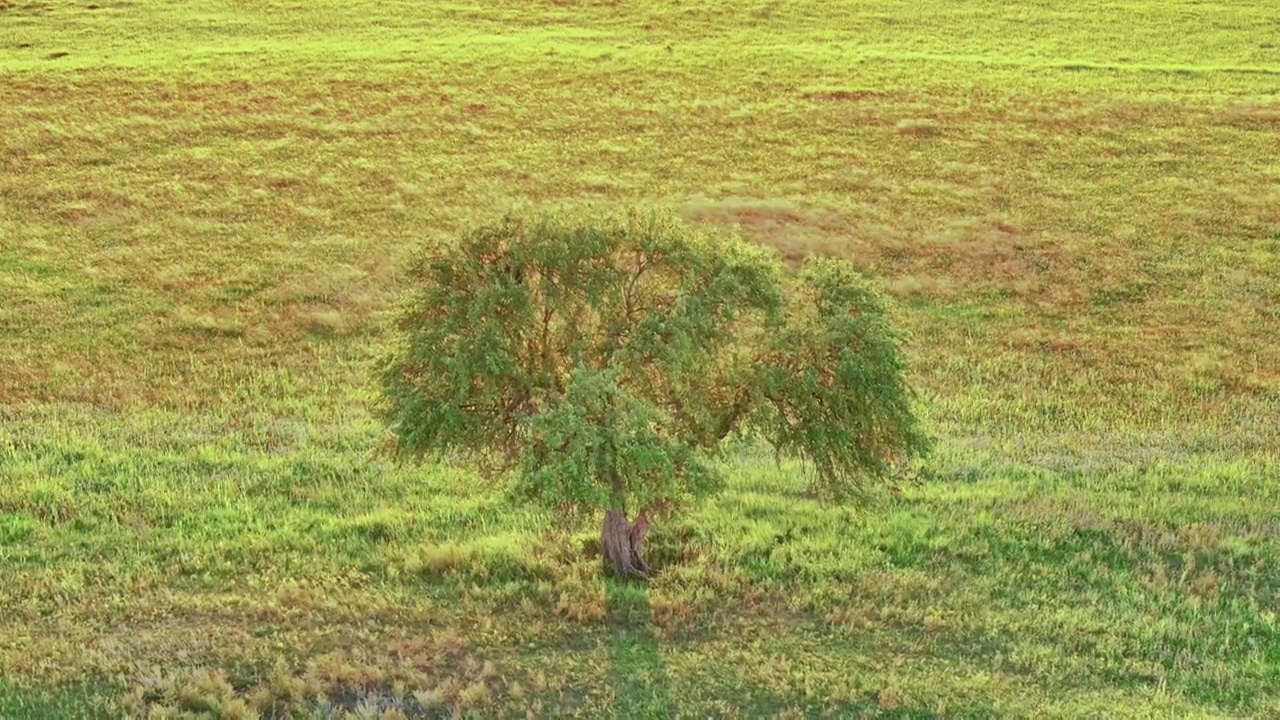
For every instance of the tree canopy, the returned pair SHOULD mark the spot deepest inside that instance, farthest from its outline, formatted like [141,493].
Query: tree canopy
[603,359]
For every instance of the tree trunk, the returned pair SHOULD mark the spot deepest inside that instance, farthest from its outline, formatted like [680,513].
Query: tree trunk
[622,544]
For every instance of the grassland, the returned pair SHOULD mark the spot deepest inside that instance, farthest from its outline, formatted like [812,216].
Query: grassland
[204,210]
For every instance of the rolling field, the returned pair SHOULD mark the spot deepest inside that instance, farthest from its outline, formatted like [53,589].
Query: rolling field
[205,212]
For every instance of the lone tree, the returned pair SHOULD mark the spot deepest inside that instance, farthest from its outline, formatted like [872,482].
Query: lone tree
[603,360]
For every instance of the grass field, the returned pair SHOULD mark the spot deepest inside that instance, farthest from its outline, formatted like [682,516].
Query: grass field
[205,208]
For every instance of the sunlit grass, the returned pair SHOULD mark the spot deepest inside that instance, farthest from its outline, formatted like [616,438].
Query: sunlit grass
[204,210]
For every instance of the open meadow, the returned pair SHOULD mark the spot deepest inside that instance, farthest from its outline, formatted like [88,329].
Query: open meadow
[206,211]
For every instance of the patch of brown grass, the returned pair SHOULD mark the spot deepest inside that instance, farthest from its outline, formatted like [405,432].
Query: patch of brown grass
[842,95]
[409,678]
[795,230]
[919,128]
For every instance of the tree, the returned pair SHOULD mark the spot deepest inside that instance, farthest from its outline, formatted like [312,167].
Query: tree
[601,361]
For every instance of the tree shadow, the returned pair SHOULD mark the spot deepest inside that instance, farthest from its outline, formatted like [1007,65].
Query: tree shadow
[641,686]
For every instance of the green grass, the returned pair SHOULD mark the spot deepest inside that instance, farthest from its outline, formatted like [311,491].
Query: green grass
[68,703]
[205,208]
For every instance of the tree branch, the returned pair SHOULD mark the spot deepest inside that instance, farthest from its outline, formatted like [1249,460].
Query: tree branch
[730,420]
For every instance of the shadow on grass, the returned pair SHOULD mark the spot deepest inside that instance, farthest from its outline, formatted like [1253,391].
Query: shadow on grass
[641,686]
[73,703]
